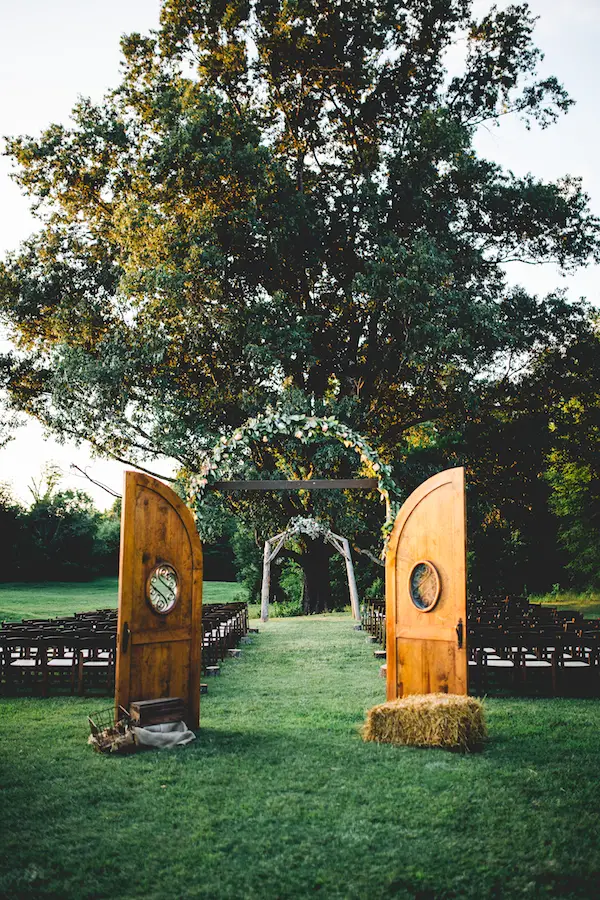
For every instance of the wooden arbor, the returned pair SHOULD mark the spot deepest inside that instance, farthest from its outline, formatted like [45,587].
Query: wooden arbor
[160,598]
[313,529]
[426,596]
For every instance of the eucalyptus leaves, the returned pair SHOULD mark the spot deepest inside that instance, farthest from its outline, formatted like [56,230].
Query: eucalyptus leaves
[220,462]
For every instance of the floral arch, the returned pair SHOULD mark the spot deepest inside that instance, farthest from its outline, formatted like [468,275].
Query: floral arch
[219,463]
[314,529]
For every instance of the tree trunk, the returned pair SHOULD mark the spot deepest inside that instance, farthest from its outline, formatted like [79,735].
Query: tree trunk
[316,596]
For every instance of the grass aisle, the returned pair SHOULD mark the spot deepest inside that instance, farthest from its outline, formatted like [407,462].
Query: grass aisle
[279,797]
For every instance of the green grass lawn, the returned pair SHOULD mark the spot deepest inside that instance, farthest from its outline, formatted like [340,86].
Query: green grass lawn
[280,798]
[588,603]
[21,600]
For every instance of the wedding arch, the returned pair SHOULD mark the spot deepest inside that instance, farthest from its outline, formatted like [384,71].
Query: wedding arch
[314,529]
[219,463]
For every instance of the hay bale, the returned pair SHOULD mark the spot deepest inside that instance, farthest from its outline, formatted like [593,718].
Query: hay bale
[428,720]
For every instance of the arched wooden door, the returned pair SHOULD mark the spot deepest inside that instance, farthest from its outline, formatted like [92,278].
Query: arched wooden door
[426,594]
[160,598]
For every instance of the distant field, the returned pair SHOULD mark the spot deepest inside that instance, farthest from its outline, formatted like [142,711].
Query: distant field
[587,603]
[48,599]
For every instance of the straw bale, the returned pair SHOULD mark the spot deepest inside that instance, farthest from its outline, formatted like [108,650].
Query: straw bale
[428,720]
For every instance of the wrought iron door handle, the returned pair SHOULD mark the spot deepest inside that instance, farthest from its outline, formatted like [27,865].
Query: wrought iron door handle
[459,633]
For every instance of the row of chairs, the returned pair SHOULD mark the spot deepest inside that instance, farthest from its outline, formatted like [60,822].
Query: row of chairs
[520,646]
[45,661]
[519,613]
[372,619]
[77,654]
[223,627]
[523,646]
[532,661]
[74,653]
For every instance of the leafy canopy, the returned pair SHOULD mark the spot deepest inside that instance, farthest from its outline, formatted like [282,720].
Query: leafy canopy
[283,196]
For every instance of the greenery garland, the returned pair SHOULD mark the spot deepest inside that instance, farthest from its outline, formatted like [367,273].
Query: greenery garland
[218,464]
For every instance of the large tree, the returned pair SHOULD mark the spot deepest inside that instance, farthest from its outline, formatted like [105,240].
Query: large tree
[284,196]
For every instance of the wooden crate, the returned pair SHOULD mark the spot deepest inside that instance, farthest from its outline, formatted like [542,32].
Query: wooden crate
[155,712]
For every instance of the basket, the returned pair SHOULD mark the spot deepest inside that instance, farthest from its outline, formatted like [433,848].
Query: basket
[110,733]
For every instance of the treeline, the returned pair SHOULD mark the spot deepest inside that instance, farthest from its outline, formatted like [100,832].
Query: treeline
[60,537]
[530,527]
[533,500]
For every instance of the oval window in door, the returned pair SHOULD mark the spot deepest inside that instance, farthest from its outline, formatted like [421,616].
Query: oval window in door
[424,585]
[162,591]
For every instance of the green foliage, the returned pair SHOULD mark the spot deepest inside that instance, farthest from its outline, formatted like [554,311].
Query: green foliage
[60,537]
[269,428]
[219,556]
[286,609]
[546,466]
[375,591]
[307,200]
[12,528]
[291,582]
[9,421]
[282,205]
[575,499]
[107,540]
[248,562]
[61,530]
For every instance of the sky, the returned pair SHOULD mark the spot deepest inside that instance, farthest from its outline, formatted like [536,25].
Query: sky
[52,52]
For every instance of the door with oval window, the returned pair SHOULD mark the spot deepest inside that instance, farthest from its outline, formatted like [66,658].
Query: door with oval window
[160,598]
[426,594]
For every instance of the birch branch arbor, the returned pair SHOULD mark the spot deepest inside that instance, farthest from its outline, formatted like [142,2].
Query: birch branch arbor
[269,429]
[314,529]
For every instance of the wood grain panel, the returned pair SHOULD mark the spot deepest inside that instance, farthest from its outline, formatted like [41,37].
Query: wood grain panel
[158,655]
[422,646]
[162,636]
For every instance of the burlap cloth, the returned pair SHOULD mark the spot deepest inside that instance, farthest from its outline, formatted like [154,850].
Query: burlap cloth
[169,734]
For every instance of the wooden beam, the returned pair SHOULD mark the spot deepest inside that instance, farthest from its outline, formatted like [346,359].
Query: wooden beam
[315,484]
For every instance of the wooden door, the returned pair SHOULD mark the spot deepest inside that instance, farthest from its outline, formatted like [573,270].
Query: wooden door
[426,594]
[160,598]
